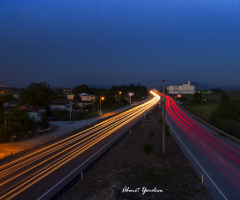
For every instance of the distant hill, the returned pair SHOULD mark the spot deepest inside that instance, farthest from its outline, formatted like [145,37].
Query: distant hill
[198,86]
[154,85]
[201,86]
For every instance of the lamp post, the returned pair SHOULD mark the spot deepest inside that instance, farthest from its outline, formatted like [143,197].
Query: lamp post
[67,91]
[120,98]
[70,111]
[100,111]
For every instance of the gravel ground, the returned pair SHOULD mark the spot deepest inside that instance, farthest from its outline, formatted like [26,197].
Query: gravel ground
[128,171]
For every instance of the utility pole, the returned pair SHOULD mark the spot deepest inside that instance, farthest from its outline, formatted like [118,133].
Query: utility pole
[5,121]
[100,111]
[163,117]
[120,98]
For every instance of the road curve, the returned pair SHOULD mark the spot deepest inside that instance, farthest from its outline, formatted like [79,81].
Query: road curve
[216,159]
[42,173]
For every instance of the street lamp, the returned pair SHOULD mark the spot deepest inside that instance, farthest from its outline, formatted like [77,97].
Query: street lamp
[100,111]
[120,98]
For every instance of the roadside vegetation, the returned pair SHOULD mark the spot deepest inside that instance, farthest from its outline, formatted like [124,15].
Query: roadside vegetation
[222,110]
[16,123]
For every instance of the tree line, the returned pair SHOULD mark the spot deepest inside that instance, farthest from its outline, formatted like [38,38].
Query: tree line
[16,122]
[227,115]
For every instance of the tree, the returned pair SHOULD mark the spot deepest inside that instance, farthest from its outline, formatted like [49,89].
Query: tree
[17,124]
[38,94]
[227,115]
[8,98]
[81,89]
[227,110]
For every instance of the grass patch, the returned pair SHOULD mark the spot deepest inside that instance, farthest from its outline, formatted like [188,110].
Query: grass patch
[203,111]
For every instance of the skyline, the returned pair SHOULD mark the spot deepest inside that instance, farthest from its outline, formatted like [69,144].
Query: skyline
[67,43]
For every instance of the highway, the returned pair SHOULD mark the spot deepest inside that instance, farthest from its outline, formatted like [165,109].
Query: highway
[42,173]
[214,158]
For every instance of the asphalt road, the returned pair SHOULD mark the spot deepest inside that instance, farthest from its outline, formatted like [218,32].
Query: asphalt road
[216,159]
[42,173]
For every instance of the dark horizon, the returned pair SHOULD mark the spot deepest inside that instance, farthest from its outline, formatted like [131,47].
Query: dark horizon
[149,85]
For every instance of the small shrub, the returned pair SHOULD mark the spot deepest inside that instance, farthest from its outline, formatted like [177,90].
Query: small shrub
[183,98]
[151,133]
[167,130]
[197,97]
[148,148]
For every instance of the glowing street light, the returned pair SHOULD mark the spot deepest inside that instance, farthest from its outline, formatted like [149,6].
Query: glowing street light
[119,98]
[101,99]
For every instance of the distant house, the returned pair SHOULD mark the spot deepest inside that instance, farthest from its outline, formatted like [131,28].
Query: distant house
[71,96]
[87,97]
[181,89]
[64,104]
[7,106]
[60,104]
[82,104]
[34,112]
[84,100]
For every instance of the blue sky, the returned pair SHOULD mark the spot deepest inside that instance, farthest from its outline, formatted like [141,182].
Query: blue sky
[106,42]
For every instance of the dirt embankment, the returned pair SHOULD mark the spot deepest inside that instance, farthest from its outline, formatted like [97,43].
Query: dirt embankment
[128,171]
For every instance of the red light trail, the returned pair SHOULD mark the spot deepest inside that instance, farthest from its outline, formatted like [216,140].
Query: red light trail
[224,156]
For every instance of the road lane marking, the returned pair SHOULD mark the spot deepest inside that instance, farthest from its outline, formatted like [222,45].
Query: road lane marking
[203,145]
[221,160]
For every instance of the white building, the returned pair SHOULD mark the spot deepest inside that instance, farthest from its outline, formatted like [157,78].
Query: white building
[87,97]
[71,96]
[181,89]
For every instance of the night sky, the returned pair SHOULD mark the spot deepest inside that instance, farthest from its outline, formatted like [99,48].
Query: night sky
[108,42]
